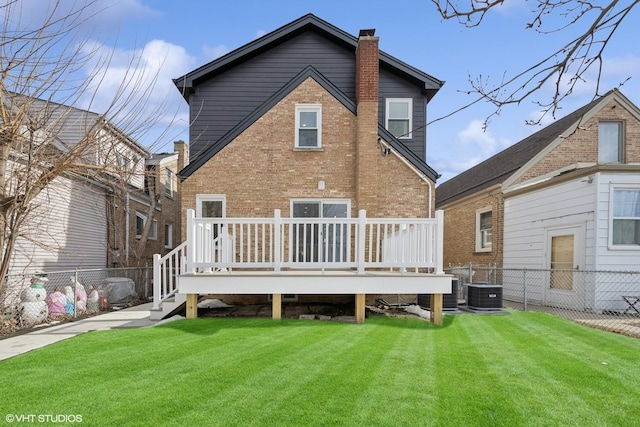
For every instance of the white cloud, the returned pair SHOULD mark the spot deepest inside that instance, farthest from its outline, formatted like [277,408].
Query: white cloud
[512,8]
[136,89]
[99,17]
[473,145]
[212,52]
[478,140]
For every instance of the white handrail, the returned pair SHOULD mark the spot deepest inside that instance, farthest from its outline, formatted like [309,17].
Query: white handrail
[275,243]
[312,243]
[166,269]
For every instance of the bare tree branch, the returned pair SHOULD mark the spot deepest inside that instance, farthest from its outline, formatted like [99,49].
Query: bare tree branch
[51,74]
[564,68]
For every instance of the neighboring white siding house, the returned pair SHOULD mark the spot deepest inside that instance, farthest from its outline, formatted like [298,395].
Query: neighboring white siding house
[66,230]
[565,205]
[580,208]
[67,226]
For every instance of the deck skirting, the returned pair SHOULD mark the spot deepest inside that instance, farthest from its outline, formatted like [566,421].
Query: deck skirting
[314,282]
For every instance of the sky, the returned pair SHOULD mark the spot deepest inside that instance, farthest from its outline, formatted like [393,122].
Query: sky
[172,38]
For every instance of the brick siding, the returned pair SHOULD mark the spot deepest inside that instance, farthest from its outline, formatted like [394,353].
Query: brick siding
[582,145]
[261,171]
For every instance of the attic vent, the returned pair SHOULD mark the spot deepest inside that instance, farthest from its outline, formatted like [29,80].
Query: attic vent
[367,33]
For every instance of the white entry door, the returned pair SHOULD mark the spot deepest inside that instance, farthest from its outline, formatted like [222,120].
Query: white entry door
[565,258]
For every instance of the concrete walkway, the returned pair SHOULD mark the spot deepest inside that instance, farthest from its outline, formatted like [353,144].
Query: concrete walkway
[133,317]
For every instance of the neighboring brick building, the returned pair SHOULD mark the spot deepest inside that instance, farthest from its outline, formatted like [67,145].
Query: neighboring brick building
[130,206]
[312,121]
[566,197]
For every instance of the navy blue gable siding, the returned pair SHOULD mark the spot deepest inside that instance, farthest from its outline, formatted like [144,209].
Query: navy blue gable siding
[392,86]
[220,103]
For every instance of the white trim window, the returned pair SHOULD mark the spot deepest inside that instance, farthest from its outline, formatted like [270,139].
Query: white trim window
[168,236]
[211,206]
[308,126]
[169,182]
[399,117]
[484,230]
[625,217]
[141,220]
[610,142]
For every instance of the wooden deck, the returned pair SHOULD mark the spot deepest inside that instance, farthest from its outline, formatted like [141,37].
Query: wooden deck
[276,256]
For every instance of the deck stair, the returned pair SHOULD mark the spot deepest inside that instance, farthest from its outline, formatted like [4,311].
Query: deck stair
[169,307]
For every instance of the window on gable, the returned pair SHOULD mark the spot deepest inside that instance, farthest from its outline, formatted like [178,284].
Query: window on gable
[610,142]
[399,113]
[308,126]
[625,228]
[484,230]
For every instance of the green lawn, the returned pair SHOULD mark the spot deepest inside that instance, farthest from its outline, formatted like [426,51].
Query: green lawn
[522,369]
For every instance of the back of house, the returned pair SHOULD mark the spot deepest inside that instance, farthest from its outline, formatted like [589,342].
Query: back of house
[313,122]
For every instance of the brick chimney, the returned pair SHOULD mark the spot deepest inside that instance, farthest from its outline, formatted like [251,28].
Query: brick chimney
[367,151]
[182,148]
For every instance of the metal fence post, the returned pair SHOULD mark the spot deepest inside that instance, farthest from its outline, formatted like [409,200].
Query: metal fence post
[524,289]
[75,293]
[146,280]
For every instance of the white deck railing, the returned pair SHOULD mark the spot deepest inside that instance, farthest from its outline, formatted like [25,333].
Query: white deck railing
[306,243]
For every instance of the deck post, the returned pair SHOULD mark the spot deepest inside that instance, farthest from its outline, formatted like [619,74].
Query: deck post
[277,243]
[360,299]
[276,306]
[157,287]
[436,309]
[439,242]
[192,306]
[191,241]
[362,238]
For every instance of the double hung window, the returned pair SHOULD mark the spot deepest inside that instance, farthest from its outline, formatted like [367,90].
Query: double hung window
[610,142]
[399,112]
[625,228]
[308,126]
[484,230]
[141,220]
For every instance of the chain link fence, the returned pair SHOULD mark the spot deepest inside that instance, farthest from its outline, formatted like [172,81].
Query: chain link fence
[47,297]
[608,300]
